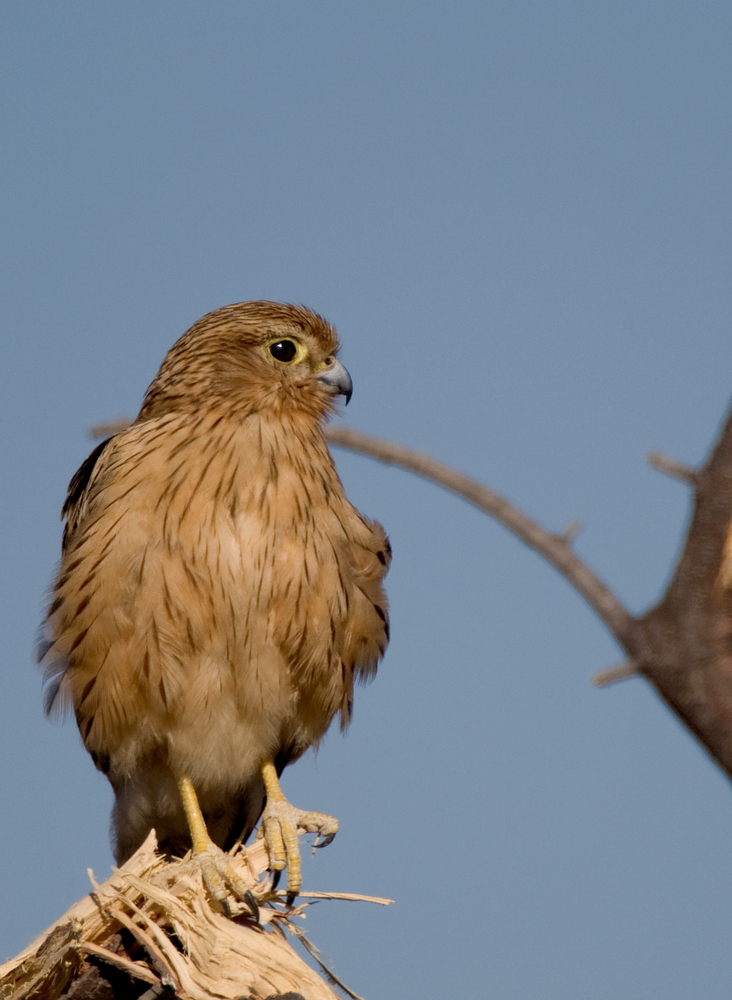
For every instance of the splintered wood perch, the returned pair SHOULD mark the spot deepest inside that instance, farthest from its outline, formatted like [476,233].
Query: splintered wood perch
[153,923]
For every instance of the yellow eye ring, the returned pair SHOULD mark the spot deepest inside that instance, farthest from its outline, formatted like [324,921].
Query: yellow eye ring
[286,350]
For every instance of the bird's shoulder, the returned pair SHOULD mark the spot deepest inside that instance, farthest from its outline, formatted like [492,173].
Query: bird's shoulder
[369,546]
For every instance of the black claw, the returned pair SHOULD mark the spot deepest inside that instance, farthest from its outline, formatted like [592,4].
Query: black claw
[276,876]
[325,841]
[291,897]
[252,904]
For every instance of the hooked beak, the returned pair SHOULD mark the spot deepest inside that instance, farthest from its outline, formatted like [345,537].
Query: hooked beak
[338,380]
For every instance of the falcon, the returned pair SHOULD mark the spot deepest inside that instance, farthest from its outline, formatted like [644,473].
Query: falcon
[218,595]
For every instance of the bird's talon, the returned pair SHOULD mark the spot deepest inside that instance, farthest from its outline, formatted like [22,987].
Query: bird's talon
[252,904]
[221,879]
[282,823]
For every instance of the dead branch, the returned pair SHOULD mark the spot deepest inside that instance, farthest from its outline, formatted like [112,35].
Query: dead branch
[153,921]
[669,466]
[612,675]
[556,549]
[683,646]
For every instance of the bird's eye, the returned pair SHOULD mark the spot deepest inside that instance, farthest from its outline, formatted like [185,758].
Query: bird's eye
[283,350]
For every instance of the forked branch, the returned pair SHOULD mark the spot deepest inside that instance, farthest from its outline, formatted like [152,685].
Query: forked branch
[684,644]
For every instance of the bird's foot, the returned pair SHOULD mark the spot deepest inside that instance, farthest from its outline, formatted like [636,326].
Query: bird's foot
[215,867]
[280,824]
[220,877]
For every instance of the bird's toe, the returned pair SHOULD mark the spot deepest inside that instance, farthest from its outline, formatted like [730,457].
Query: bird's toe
[221,878]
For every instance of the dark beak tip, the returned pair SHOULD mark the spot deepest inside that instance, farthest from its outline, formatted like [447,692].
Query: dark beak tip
[338,380]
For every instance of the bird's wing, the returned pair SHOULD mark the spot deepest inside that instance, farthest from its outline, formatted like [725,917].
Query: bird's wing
[367,628]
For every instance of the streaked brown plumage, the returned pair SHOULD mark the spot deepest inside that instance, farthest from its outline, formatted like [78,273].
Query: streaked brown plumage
[217,594]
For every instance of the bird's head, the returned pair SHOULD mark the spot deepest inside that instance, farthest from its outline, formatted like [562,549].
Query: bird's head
[252,357]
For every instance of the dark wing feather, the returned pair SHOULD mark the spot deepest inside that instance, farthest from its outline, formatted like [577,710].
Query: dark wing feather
[72,513]
[75,503]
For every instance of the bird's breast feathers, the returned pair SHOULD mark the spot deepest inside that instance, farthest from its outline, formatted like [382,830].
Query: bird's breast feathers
[216,569]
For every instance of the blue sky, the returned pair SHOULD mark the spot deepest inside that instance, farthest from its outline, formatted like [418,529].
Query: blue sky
[518,217]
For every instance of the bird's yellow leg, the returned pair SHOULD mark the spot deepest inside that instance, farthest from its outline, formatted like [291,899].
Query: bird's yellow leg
[196,822]
[280,823]
[216,868]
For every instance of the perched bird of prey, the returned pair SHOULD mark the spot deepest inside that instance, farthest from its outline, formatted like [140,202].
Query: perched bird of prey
[217,594]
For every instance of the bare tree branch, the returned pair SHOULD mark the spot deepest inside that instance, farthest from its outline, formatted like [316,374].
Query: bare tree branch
[683,646]
[554,548]
[612,675]
[677,470]
[685,642]
[109,428]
